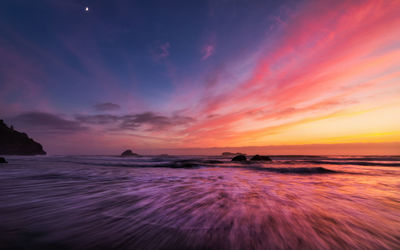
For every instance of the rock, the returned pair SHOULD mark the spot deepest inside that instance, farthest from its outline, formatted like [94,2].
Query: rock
[13,142]
[260,158]
[230,153]
[128,153]
[239,158]
[2,160]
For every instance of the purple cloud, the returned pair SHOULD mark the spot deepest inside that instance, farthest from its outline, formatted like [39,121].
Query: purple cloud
[154,121]
[106,106]
[161,51]
[148,120]
[208,51]
[97,119]
[42,122]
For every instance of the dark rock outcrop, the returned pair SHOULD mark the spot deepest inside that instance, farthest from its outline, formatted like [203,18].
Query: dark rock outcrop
[239,158]
[2,160]
[230,153]
[128,153]
[260,158]
[13,142]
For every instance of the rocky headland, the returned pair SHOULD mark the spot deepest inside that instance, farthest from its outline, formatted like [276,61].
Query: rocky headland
[13,142]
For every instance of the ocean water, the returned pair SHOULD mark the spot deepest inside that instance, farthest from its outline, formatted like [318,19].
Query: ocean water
[200,202]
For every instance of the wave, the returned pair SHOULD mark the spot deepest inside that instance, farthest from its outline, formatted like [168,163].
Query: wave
[194,164]
[361,158]
[361,163]
[142,164]
[337,158]
[199,163]
[296,170]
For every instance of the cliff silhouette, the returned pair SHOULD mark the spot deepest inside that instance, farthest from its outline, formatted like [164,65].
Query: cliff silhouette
[13,142]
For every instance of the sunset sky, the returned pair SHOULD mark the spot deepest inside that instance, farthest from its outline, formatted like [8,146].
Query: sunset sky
[154,75]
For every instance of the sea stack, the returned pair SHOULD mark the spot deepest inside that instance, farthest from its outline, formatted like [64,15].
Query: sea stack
[239,158]
[260,158]
[13,142]
[128,152]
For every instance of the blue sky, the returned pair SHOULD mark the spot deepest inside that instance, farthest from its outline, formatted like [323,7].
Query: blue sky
[147,48]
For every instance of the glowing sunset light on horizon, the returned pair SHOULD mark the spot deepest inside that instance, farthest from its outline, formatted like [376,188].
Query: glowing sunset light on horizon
[312,72]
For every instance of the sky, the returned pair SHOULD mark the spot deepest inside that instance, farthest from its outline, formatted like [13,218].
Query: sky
[100,76]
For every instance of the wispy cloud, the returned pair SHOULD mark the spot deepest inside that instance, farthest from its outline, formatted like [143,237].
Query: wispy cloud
[147,121]
[106,106]
[46,123]
[97,119]
[208,51]
[155,122]
[160,51]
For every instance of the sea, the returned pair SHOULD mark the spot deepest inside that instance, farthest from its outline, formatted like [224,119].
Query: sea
[200,202]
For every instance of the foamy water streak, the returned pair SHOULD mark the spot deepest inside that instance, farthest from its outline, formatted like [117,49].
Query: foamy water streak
[77,202]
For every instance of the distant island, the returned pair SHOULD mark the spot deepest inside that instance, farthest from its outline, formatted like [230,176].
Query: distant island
[13,142]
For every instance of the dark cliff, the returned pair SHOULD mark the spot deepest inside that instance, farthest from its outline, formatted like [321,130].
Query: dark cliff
[13,142]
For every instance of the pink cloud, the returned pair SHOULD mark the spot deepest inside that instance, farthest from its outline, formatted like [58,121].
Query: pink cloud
[329,56]
[208,51]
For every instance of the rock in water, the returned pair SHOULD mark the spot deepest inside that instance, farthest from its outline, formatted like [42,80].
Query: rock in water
[2,160]
[13,142]
[230,153]
[239,158]
[260,158]
[128,153]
